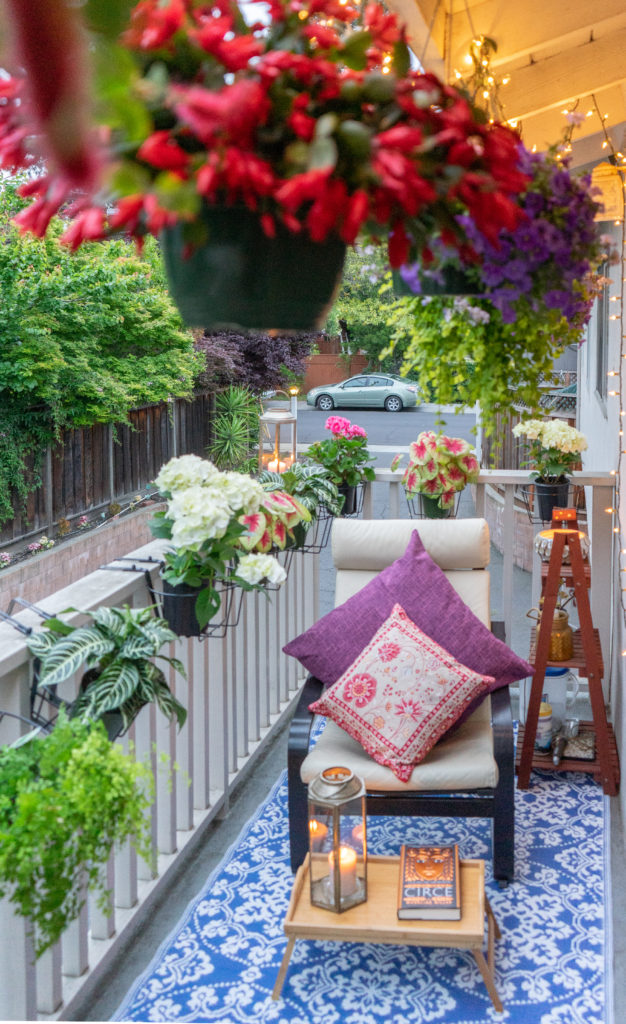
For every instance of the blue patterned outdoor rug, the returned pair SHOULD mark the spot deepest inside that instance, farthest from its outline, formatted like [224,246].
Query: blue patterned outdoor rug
[552,962]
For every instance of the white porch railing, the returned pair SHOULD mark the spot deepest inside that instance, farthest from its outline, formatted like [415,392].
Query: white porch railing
[238,692]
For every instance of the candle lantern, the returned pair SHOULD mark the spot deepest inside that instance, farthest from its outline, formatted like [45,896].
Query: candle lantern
[337,840]
[277,440]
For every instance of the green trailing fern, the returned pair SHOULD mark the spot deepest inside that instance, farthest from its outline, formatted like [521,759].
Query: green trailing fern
[66,799]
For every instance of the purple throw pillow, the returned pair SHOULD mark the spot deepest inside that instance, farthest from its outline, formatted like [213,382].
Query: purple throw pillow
[330,646]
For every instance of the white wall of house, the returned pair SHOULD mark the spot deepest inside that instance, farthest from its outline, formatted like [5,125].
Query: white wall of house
[600,421]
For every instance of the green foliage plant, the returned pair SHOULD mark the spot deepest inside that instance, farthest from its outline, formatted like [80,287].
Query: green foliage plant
[235,429]
[311,485]
[66,799]
[117,646]
[84,338]
[462,351]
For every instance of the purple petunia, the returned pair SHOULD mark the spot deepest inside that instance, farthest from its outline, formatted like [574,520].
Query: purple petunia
[549,261]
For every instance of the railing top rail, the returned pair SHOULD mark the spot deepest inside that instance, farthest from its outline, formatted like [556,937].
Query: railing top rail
[100,587]
[583,477]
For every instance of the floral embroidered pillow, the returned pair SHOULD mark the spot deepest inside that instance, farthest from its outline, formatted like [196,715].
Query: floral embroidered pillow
[401,694]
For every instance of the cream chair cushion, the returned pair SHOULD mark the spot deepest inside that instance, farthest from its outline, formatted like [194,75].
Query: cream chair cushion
[361,549]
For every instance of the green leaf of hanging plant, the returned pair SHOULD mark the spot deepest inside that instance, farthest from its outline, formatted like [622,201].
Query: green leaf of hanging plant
[108,18]
[322,154]
[353,53]
[401,58]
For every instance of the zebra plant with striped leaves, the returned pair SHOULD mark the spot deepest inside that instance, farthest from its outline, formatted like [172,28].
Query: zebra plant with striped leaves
[117,647]
[310,483]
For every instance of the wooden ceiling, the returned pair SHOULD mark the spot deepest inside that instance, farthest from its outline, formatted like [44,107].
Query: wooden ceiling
[559,54]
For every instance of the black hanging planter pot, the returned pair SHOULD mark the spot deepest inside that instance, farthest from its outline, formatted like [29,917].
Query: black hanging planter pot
[551,496]
[450,280]
[349,499]
[240,278]
[179,608]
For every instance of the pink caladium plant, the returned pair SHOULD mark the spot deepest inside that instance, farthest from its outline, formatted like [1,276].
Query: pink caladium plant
[439,466]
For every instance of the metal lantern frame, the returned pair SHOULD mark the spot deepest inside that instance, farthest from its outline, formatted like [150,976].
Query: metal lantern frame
[337,820]
[273,431]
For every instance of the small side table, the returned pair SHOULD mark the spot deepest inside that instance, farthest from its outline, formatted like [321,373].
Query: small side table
[376,920]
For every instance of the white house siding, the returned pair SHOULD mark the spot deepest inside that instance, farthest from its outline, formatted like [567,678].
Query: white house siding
[599,420]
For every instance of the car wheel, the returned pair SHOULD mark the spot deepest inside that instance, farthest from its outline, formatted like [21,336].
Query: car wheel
[325,403]
[393,403]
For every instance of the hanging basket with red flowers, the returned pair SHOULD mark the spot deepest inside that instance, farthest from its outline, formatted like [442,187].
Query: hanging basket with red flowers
[309,122]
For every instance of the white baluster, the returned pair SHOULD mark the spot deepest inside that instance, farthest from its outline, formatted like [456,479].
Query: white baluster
[18,987]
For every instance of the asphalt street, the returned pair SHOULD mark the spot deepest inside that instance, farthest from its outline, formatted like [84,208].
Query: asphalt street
[385,429]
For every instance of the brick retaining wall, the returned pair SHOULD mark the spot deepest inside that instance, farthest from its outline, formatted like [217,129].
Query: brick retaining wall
[45,573]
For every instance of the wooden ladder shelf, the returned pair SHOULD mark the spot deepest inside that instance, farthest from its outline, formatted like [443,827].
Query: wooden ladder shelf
[605,766]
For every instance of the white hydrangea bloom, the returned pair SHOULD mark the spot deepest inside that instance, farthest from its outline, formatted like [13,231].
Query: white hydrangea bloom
[558,434]
[242,492]
[185,471]
[256,567]
[197,516]
[531,428]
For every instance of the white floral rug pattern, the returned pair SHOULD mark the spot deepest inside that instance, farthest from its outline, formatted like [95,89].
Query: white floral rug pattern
[552,962]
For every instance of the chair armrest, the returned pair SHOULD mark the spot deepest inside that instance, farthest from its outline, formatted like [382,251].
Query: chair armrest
[302,721]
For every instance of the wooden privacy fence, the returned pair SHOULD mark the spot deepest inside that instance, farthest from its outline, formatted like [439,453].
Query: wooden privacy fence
[103,463]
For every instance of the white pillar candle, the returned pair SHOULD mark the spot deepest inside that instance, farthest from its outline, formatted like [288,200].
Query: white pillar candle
[347,870]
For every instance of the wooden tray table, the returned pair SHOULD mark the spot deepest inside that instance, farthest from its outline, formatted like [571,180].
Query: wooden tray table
[376,920]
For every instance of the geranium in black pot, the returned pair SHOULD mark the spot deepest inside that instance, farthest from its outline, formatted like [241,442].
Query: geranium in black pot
[345,457]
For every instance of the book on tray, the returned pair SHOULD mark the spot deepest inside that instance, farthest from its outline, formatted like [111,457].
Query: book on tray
[430,883]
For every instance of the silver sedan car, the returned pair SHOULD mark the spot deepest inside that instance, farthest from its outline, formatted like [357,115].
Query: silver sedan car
[366,391]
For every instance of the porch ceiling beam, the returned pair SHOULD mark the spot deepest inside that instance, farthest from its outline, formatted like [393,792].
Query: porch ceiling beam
[563,78]
[534,26]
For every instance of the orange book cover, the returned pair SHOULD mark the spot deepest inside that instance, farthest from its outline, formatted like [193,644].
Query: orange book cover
[429,884]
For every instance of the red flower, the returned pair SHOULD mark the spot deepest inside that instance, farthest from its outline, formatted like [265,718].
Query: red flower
[87,226]
[153,24]
[301,188]
[327,209]
[323,36]
[403,137]
[162,151]
[302,125]
[356,214]
[398,245]
[234,53]
[233,113]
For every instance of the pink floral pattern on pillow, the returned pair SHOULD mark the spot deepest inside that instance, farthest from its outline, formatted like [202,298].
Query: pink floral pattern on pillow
[401,694]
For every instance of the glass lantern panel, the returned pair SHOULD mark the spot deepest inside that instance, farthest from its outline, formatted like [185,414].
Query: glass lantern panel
[338,854]
[277,444]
